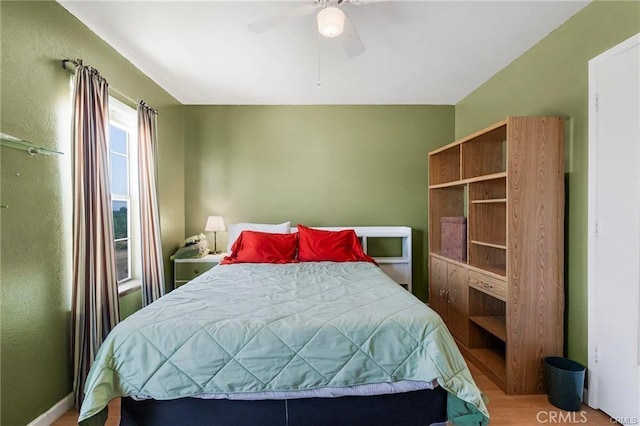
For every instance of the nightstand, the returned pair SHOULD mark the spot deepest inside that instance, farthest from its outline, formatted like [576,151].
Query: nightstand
[184,270]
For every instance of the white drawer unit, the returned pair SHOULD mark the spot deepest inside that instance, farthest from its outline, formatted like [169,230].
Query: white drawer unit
[184,270]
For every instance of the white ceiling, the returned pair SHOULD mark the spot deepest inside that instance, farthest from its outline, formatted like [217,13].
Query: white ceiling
[417,52]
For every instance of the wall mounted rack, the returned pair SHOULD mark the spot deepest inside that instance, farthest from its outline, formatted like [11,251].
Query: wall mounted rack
[17,143]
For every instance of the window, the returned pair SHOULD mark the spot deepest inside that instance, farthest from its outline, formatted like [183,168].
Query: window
[123,173]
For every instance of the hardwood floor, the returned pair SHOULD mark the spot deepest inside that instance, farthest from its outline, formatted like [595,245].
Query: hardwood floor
[70,418]
[523,410]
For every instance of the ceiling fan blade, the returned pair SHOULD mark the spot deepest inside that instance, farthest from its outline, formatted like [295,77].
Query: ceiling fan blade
[350,39]
[265,24]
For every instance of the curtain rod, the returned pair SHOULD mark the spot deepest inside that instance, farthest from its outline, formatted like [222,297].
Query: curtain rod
[67,64]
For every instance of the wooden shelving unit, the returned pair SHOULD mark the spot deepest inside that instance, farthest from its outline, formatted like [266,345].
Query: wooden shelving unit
[508,309]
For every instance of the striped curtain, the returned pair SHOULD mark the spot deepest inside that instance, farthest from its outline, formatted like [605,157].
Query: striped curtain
[95,291]
[152,264]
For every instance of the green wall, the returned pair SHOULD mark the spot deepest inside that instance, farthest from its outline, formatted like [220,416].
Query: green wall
[36,228]
[131,302]
[315,165]
[552,79]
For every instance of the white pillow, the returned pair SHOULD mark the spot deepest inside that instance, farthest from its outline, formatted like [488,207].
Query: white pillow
[236,229]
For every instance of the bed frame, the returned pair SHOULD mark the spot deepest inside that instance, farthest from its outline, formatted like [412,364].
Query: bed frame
[417,408]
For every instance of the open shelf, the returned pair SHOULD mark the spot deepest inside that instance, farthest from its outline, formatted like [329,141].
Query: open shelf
[488,257]
[444,165]
[489,190]
[493,358]
[485,154]
[390,246]
[491,361]
[496,325]
[391,249]
[499,269]
[488,224]
[439,255]
[444,202]
[488,331]
[489,352]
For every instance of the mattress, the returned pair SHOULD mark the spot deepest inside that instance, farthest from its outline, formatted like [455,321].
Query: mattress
[256,330]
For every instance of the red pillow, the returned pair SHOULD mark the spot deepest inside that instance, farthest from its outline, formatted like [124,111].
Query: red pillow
[263,247]
[317,245]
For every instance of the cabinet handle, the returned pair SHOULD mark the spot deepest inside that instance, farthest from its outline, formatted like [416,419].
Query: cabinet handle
[444,294]
[196,271]
[486,285]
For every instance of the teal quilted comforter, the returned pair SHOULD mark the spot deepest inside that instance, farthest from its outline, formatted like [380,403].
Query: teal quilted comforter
[250,328]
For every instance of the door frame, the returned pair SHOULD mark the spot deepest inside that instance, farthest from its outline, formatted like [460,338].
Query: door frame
[591,397]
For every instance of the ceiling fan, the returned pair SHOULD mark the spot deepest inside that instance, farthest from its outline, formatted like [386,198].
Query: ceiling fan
[332,22]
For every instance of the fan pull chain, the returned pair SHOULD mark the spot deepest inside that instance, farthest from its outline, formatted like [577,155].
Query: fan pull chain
[319,84]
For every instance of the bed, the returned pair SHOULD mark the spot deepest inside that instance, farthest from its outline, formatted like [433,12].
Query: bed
[291,341]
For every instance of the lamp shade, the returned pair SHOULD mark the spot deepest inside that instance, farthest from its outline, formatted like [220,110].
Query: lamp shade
[214,223]
[331,21]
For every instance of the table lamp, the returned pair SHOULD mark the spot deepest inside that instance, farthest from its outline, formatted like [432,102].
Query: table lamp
[214,224]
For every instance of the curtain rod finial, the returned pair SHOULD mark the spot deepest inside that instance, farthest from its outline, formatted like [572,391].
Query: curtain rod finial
[73,62]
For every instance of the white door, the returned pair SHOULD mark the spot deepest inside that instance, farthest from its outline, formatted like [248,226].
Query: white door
[614,240]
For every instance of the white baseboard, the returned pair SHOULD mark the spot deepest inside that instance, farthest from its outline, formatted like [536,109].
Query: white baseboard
[55,412]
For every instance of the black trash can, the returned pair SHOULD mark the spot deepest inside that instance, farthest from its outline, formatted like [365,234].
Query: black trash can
[564,380]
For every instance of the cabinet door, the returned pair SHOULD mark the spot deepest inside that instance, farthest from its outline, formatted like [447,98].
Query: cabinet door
[458,302]
[438,287]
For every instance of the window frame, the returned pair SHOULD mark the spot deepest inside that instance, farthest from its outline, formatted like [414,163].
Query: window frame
[123,198]
[124,117]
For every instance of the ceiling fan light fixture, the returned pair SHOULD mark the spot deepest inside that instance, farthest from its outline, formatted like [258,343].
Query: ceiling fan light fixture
[331,21]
